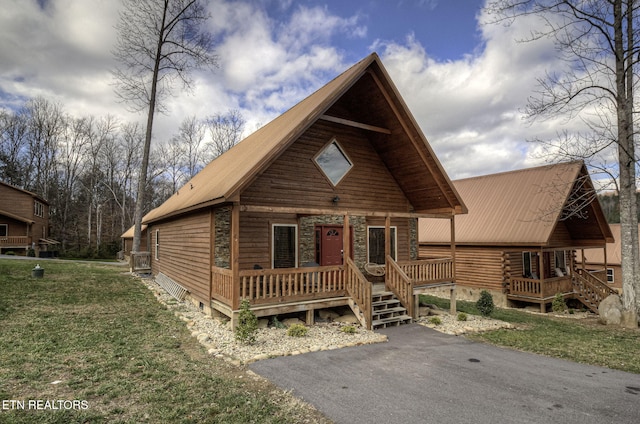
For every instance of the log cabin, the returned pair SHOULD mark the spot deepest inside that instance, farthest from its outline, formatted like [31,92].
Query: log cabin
[317,209]
[24,222]
[520,237]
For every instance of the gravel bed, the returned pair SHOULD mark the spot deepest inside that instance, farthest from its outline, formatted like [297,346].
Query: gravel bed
[216,335]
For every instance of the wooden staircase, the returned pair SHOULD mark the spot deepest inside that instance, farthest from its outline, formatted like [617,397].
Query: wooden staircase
[590,290]
[387,311]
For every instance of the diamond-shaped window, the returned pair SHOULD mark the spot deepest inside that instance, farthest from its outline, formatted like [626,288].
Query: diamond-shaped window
[334,162]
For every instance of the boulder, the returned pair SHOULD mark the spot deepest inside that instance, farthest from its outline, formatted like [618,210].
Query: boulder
[263,323]
[290,321]
[347,319]
[610,310]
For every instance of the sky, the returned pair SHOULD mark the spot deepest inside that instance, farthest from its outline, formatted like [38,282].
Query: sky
[465,82]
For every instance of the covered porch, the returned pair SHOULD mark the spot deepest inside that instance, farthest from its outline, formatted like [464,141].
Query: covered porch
[311,287]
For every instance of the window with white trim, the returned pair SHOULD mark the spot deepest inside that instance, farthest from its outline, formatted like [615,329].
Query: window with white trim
[38,209]
[157,245]
[333,162]
[527,269]
[284,246]
[560,259]
[375,244]
[610,276]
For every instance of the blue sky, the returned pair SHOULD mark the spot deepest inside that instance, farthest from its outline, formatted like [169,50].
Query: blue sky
[466,83]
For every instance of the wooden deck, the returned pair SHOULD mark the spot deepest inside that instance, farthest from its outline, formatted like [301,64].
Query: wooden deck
[273,291]
[15,241]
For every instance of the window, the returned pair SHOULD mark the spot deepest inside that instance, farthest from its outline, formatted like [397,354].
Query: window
[560,260]
[38,209]
[284,245]
[376,244]
[610,278]
[527,270]
[157,245]
[333,162]
[4,230]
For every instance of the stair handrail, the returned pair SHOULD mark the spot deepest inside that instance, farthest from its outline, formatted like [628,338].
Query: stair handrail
[359,289]
[400,284]
[591,287]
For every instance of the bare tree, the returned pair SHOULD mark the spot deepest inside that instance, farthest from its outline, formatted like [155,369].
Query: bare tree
[159,42]
[191,137]
[225,131]
[598,41]
[13,141]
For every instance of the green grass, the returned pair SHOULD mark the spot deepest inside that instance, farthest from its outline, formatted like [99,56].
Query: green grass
[579,340]
[104,337]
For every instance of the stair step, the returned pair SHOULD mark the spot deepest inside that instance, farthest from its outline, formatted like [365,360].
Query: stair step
[391,321]
[385,303]
[389,310]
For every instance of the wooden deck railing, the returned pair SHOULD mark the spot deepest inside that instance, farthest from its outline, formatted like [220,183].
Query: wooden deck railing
[140,261]
[16,241]
[540,289]
[359,289]
[222,285]
[273,286]
[400,284]
[428,271]
[591,288]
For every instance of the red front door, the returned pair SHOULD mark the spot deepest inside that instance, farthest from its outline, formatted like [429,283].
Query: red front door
[329,244]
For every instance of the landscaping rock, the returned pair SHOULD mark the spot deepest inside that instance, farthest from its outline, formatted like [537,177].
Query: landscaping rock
[327,314]
[610,310]
[290,321]
[347,319]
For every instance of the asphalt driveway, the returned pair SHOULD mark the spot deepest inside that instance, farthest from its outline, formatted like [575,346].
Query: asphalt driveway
[423,376]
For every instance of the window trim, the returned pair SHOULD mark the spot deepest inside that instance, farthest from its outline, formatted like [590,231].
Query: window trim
[556,256]
[613,274]
[157,245]
[394,253]
[6,231]
[333,140]
[524,262]
[38,209]
[273,242]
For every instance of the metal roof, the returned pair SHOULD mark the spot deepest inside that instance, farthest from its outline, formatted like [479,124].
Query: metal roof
[522,207]
[223,179]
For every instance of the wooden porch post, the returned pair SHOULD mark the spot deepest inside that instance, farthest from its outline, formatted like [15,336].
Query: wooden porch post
[387,236]
[543,306]
[346,239]
[452,304]
[235,260]
[212,247]
[606,276]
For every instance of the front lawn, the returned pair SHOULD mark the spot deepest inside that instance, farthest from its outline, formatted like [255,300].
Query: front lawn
[95,335]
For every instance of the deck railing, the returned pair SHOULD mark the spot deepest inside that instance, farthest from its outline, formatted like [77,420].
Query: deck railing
[273,286]
[428,270]
[17,241]
[140,261]
[400,284]
[222,285]
[591,288]
[359,289]
[540,289]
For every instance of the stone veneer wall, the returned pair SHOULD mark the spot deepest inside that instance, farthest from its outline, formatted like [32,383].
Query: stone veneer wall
[307,236]
[413,239]
[223,237]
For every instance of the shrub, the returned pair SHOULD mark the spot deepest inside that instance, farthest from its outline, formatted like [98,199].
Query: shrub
[247,324]
[485,303]
[462,316]
[297,330]
[558,304]
[349,329]
[277,323]
[435,320]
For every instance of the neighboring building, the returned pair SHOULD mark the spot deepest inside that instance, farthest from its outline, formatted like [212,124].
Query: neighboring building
[521,234]
[309,210]
[24,222]
[127,241]
[607,264]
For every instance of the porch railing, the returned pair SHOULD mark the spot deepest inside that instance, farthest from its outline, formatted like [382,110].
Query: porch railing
[591,288]
[400,284]
[428,271]
[540,289]
[359,289]
[17,241]
[272,286]
[222,285]
[140,261]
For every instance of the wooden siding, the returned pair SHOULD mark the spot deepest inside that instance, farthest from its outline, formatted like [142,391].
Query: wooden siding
[560,236]
[403,234]
[255,237]
[21,203]
[184,253]
[294,179]
[482,268]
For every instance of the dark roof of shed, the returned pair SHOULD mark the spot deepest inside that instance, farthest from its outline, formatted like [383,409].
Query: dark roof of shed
[414,165]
